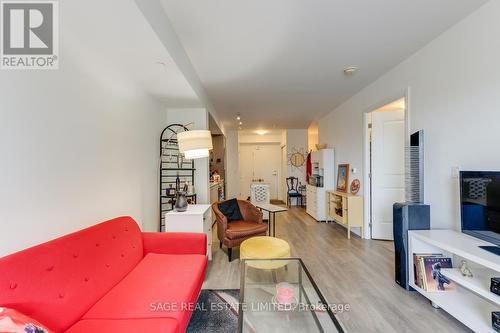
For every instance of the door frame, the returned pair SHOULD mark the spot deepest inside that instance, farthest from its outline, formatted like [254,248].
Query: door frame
[405,93]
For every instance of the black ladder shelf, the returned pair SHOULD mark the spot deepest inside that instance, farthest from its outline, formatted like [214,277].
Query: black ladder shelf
[171,166]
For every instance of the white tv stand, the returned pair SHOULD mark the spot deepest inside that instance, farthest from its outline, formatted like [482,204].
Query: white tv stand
[472,302]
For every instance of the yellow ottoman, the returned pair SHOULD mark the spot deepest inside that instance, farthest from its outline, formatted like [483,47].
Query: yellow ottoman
[264,247]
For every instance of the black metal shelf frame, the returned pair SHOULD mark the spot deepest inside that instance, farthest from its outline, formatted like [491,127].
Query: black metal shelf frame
[170,168]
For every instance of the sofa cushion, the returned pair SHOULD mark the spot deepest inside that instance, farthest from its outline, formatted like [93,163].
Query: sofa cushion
[161,286]
[156,325]
[241,229]
[58,281]
[231,210]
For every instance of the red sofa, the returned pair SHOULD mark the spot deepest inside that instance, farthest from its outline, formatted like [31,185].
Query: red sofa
[107,278]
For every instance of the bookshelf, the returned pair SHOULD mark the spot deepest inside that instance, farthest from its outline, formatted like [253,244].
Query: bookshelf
[479,284]
[172,166]
[472,302]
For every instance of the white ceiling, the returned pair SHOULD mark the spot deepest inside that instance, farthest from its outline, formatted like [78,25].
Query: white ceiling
[280,61]
[124,44]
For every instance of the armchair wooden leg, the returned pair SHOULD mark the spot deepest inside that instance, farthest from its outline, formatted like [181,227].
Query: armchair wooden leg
[220,245]
[230,253]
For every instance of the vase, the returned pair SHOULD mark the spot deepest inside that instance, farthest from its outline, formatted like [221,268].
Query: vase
[181,202]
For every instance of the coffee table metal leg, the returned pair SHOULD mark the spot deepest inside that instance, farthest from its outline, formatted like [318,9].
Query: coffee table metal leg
[307,300]
[274,224]
[300,284]
[270,224]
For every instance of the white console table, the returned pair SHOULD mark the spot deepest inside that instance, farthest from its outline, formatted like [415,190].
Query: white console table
[197,218]
[472,302]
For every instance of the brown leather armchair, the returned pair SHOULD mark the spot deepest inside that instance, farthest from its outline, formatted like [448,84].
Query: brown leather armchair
[233,233]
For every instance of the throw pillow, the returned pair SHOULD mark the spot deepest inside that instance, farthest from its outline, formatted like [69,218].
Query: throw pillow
[12,321]
[231,210]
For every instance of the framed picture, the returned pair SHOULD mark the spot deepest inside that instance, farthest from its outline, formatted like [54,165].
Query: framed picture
[342,177]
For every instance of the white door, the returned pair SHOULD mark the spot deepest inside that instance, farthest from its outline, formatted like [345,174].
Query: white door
[260,162]
[267,165]
[388,169]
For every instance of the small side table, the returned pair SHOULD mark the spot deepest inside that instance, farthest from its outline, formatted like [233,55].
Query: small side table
[272,209]
[197,218]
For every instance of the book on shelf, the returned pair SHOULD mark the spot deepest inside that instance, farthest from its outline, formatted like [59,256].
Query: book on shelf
[427,272]
[417,267]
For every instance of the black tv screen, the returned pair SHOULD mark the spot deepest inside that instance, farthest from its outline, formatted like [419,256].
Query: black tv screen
[480,204]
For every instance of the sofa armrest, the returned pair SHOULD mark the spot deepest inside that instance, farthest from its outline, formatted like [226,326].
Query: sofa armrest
[174,243]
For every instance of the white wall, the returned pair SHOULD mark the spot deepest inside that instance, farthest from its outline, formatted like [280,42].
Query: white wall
[454,96]
[78,145]
[199,118]
[232,164]
[312,136]
[296,141]
[218,153]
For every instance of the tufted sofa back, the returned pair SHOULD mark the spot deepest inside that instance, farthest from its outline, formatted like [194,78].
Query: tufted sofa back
[58,281]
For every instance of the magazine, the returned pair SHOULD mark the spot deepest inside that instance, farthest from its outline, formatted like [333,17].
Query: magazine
[417,267]
[434,280]
[427,272]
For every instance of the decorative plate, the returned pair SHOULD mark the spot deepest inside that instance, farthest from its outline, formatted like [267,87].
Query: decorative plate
[355,185]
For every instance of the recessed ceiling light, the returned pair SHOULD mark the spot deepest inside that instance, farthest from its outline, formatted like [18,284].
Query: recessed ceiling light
[261,132]
[350,70]
[238,117]
[240,123]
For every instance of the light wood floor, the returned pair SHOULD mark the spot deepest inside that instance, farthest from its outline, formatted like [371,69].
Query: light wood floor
[358,272]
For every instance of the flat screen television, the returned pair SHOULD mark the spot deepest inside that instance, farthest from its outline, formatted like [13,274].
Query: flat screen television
[480,204]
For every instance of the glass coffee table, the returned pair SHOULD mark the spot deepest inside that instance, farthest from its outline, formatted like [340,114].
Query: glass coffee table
[283,298]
